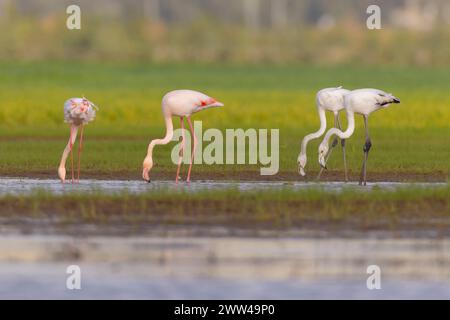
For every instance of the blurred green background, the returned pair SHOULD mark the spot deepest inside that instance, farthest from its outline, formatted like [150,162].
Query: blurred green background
[414,32]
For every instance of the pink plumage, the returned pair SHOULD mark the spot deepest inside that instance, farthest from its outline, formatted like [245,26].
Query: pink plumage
[79,111]
[184,103]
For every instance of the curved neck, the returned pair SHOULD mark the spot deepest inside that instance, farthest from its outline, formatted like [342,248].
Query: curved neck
[317,134]
[167,138]
[347,133]
[68,148]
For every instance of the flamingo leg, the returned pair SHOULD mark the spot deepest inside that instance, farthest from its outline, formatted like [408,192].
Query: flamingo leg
[366,149]
[194,146]
[180,160]
[71,153]
[334,144]
[344,157]
[80,149]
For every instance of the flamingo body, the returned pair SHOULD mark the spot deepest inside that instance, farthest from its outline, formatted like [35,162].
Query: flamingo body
[331,99]
[184,103]
[367,101]
[79,111]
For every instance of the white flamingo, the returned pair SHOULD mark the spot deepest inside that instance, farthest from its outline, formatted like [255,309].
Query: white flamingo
[181,103]
[328,99]
[363,102]
[77,113]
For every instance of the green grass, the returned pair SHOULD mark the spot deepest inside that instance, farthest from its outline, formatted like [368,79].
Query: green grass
[411,137]
[410,208]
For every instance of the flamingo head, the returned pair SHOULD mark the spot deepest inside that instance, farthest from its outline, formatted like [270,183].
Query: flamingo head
[146,167]
[62,174]
[323,150]
[301,161]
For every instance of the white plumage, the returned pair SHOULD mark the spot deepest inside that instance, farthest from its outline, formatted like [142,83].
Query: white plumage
[367,101]
[331,99]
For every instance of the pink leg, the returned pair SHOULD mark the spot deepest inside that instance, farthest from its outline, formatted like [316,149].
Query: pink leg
[180,160]
[80,149]
[71,153]
[194,146]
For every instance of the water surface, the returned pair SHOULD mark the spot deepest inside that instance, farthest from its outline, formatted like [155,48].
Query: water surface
[26,186]
[223,267]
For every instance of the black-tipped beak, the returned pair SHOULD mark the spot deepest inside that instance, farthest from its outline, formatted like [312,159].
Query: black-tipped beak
[396,100]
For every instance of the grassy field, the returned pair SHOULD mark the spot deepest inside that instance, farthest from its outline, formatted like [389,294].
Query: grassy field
[404,209]
[410,140]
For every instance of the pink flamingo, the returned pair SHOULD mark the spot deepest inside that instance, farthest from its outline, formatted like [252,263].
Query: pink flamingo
[77,113]
[181,103]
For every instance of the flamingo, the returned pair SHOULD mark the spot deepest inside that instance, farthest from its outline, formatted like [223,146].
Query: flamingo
[363,102]
[181,103]
[77,113]
[328,99]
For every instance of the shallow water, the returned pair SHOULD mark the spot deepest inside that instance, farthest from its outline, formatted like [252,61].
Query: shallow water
[223,267]
[25,186]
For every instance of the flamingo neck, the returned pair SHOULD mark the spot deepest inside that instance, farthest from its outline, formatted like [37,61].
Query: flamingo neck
[167,138]
[314,135]
[67,149]
[343,134]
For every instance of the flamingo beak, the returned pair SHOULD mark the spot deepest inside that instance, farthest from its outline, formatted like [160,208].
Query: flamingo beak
[62,174]
[146,174]
[322,162]
[301,170]
[216,104]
